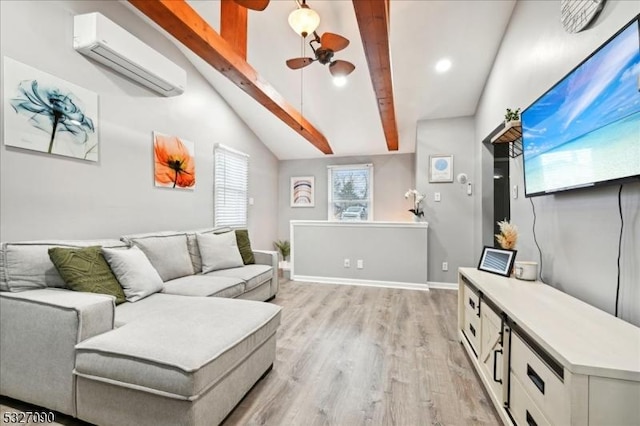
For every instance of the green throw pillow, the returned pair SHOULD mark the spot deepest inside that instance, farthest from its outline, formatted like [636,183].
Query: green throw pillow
[85,269]
[244,245]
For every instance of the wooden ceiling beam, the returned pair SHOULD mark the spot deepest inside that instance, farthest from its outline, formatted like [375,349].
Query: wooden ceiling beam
[373,21]
[233,26]
[182,22]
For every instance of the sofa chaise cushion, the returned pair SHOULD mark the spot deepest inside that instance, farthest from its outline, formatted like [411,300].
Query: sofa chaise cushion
[182,353]
[252,275]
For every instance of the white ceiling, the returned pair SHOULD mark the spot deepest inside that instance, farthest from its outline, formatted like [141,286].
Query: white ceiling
[422,32]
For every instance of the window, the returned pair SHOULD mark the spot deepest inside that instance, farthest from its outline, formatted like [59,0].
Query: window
[230,188]
[351,192]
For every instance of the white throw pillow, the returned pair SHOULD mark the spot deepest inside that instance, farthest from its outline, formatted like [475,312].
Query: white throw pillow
[134,272]
[169,254]
[219,251]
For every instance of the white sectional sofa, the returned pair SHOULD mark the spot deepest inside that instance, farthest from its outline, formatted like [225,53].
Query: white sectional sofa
[175,357]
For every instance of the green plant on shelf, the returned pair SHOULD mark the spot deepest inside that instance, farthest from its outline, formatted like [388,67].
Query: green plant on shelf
[512,115]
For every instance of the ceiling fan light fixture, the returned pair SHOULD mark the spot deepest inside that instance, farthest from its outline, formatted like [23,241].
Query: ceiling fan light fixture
[340,81]
[304,20]
[443,65]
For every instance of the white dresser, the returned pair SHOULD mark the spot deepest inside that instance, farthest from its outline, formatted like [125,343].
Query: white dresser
[547,358]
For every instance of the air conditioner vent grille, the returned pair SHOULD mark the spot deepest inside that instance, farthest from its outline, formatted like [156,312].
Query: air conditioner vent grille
[131,68]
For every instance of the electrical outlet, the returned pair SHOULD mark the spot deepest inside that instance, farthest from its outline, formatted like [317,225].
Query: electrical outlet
[347,263]
[251,201]
[436,196]
[360,264]
[445,266]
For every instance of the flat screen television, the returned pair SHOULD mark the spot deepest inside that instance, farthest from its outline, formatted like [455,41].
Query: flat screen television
[585,130]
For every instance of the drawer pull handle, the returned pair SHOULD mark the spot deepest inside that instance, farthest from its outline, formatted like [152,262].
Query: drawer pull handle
[495,365]
[472,330]
[530,421]
[535,378]
[472,303]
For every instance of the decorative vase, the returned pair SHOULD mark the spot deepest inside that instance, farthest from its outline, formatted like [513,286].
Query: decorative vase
[417,219]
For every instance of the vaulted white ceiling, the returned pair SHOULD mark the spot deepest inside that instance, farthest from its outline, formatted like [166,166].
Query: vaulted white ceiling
[421,33]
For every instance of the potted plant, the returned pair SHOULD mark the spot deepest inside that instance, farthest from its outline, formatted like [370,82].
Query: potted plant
[512,116]
[284,248]
[418,212]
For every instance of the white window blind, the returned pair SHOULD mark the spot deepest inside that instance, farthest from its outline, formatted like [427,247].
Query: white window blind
[350,192]
[231,176]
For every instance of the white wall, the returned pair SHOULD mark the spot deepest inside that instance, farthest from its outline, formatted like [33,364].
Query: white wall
[451,219]
[578,231]
[45,196]
[393,175]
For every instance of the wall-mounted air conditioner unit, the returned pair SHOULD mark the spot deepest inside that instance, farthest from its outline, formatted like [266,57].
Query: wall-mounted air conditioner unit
[101,39]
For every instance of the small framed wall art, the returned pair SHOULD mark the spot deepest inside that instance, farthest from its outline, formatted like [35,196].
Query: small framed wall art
[303,191]
[497,261]
[441,168]
[174,161]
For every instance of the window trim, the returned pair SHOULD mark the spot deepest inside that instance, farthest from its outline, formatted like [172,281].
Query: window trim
[330,169]
[228,149]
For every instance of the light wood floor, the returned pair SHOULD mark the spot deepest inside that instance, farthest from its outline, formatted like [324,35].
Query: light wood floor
[349,355]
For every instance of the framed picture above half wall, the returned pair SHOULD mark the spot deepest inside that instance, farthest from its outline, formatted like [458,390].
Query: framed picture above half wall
[175,165]
[303,191]
[441,168]
[48,114]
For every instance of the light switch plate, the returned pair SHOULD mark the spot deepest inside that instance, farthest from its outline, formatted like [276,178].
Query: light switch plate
[514,192]
[436,196]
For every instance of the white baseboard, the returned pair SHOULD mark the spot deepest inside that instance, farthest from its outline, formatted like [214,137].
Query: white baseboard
[368,283]
[443,286]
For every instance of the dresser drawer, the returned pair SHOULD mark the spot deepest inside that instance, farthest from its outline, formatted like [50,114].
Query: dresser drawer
[522,408]
[472,330]
[471,300]
[539,382]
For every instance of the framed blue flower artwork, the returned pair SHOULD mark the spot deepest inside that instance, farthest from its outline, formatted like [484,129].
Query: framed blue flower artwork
[48,114]
[441,168]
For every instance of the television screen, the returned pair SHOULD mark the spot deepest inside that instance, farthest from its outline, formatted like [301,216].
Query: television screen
[586,129]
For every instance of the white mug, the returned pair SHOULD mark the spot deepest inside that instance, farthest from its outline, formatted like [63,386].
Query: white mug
[526,271]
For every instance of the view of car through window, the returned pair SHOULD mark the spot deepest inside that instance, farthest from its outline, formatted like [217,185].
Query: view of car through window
[354,213]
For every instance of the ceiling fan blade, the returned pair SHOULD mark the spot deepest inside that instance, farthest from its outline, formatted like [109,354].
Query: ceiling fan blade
[341,68]
[253,4]
[333,42]
[296,63]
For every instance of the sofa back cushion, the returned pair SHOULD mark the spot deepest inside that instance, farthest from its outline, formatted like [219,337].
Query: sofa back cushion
[85,269]
[168,254]
[194,250]
[219,251]
[134,272]
[27,266]
[244,245]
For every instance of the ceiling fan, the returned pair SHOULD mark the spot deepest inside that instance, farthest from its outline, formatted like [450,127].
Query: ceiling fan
[324,49]
[253,4]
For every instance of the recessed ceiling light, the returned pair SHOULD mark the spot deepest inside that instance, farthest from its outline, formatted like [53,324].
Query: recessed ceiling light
[340,81]
[443,65]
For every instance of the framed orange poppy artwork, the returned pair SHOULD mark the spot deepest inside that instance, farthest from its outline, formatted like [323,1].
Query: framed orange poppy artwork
[174,162]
